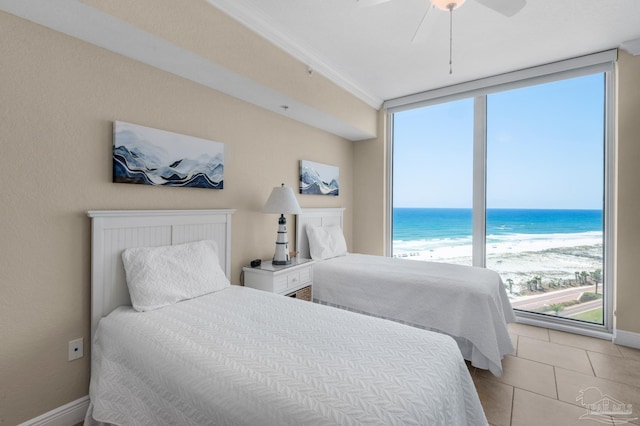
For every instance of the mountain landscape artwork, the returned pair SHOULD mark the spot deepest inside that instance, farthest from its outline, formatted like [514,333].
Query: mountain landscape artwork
[318,178]
[148,156]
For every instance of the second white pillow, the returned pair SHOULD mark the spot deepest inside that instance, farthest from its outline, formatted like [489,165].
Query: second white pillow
[326,242]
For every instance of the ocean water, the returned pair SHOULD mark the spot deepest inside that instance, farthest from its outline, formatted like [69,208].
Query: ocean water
[433,228]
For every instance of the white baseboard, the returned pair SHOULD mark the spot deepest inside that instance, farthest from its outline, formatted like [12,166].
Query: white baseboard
[561,324]
[627,338]
[65,415]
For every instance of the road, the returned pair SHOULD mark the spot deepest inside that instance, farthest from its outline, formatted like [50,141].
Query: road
[583,307]
[532,303]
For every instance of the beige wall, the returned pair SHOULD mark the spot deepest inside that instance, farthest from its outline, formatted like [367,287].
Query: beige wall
[58,100]
[370,177]
[197,27]
[628,195]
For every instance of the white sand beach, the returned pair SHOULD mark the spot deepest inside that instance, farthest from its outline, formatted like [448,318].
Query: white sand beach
[520,257]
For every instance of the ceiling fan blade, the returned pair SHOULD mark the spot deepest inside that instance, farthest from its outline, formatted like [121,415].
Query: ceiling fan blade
[425,27]
[506,7]
[367,3]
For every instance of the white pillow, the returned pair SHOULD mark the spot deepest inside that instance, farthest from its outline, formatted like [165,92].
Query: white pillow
[326,242]
[161,276]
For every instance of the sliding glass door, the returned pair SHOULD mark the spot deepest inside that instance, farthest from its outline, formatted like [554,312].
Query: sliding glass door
[545,194]
[517,179]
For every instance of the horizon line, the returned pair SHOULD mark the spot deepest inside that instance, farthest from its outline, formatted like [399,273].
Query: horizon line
[503,208]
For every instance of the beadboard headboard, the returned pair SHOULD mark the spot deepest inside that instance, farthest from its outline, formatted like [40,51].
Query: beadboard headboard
[112,231]
[331,216]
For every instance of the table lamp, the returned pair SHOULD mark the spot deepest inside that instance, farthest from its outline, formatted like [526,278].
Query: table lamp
[282,201]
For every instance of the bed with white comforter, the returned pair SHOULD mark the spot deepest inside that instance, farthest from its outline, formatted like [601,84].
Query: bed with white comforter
[173,343]
[245,357]
[467,303]
[470,304]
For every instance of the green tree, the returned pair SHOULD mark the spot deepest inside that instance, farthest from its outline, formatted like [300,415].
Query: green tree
[530,284]
[556,307]
[583,276]
[510,282]
[538,282]
[597,277]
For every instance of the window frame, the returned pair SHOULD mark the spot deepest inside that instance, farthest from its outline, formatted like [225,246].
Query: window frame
[602,62]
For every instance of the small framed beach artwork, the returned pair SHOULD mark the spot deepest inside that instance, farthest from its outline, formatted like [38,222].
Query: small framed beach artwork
[319,179]
[148,156]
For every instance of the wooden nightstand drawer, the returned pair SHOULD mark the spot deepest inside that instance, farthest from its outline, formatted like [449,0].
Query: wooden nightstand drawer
[280,283]
[284,282]
[293,279]
[282,279]
[305,275]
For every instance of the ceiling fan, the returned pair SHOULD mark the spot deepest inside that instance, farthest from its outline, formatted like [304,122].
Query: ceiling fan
[507,8]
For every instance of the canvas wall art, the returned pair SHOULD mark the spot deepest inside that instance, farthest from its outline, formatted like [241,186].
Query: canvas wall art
[318,178]
[149,156]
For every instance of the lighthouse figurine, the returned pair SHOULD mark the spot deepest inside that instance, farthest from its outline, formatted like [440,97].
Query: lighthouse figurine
[283,201]
[281,257]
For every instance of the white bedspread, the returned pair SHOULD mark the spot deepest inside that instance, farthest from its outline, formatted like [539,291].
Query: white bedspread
[246,357]
[467,303]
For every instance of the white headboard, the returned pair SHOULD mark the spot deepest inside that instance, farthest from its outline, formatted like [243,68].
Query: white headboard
[316,217]
[113,231]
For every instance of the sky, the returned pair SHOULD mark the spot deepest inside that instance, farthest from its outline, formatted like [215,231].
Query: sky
[544,149]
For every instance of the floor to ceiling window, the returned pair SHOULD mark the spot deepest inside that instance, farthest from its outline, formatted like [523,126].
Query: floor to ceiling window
[535,153]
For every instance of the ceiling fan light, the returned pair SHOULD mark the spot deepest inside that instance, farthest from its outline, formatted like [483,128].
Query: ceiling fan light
[447,4]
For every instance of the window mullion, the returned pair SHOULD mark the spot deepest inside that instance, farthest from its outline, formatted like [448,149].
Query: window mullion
[479,180]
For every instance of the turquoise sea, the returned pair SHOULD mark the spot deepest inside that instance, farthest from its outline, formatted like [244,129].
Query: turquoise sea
[453,226]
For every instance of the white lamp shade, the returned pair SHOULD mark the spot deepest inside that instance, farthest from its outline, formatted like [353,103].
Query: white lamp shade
[282,201]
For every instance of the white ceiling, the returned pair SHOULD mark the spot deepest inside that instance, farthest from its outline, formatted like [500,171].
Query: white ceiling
[369,49]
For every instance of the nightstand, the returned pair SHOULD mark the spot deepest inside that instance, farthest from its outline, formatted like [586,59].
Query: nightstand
[294,280]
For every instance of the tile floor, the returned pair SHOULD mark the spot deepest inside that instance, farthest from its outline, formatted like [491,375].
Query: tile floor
[551,377]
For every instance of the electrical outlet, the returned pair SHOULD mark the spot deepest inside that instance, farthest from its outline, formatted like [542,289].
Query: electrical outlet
[76,349]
